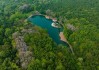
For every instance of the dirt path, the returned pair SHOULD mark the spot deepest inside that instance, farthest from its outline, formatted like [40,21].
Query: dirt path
[62,37]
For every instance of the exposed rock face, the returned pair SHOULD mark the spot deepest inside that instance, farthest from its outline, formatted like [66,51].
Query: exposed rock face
[36,13]
[25,8]
[62,37]
[28,31]
[24,55]
[71,27]
[21,45]
[50,13]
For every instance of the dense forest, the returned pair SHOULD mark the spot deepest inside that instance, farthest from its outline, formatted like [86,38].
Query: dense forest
[24,46]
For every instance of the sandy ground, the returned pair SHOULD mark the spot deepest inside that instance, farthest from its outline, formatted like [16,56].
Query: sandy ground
[62,37]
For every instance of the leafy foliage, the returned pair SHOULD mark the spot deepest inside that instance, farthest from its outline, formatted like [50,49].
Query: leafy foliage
[80,19]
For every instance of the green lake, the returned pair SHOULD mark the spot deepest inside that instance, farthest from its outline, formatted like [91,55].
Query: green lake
[46,24]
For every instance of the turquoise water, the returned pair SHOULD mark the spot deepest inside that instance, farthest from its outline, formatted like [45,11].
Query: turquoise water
[46,24]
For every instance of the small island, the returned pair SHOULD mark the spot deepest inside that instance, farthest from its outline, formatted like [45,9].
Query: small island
[56,25]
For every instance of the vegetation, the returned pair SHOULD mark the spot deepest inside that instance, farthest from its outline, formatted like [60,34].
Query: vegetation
[80,19]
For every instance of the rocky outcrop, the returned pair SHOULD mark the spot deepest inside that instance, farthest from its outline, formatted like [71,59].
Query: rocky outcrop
[28,31]
[25,8]
[23,53]
[71,27]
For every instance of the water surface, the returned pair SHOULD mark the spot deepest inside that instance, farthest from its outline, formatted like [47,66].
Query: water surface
[46,24]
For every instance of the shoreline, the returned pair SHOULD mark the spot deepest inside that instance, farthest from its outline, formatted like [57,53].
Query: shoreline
[62,37]
[46,16]
[49,17]
[54,25]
